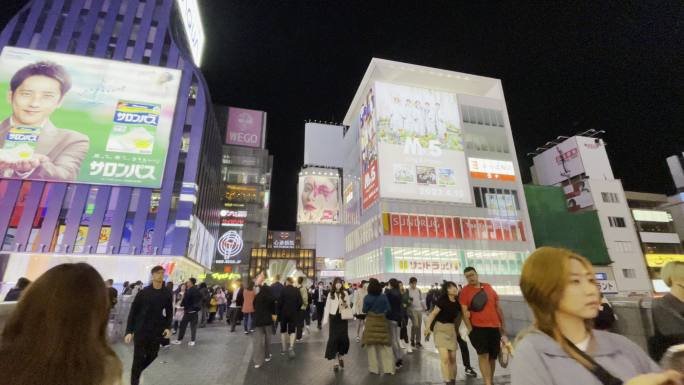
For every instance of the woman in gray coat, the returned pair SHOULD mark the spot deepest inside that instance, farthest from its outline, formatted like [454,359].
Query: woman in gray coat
[562,349]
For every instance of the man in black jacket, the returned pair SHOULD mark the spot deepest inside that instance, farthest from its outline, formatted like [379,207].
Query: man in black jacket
[149,320]
[264,317]
[320,296]
[192,304]
[288,309]
[235,300]
[276,291]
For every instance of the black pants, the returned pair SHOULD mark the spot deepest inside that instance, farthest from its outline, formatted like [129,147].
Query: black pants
[300,323]
[232,317]
[144,353]
[320,308]
[465,354]
[192,318]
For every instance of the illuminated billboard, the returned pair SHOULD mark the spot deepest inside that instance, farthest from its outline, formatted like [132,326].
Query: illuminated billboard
[319,199]
[283,239]
[236,193]
[420,145]
[245,127]
[85,120]
[192,24]
[370,186]
[502,170]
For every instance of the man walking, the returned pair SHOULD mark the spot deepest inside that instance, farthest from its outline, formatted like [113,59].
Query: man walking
[112,293]
[264,316]
[235,301]
[301,318]
[320,296]
[149,320]
[288,310]
[485,322]
[192,304]
[415,312]
[276,290]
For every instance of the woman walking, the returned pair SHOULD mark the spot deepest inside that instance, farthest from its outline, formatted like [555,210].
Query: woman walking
[338,338]
[376,335]
[58,335]
[562,349]
[248,308]
[447,313]
[359,314]
[394,316]
[178,310]
[221,300]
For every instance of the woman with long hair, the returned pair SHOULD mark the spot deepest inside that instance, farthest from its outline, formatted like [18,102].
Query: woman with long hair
[447,314]
[359,314]
[338,338]
[178,310]
[394,316]
[562,348]
[376,335]
[57,333]
[668,311]
[248,308]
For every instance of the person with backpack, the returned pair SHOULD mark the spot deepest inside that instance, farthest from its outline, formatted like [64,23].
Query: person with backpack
[485,322]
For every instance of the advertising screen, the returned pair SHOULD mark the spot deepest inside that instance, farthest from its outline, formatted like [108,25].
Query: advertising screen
[80,119]
[370,185]
[351,214]
[245,127]
[420,145]
[319,199]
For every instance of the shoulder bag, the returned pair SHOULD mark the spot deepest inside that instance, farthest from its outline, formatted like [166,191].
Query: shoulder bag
[346,312]
[599,371]
[479,301]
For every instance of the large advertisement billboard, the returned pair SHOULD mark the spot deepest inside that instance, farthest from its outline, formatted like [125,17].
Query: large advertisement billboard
[420,145]
[319,199]
[84,120]
[245,127]
[370,185]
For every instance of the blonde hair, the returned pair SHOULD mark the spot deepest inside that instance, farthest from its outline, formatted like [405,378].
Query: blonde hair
[672,270]
[542,282]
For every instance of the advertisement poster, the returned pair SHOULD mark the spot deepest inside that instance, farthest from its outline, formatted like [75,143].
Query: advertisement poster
[420,145]
[245,127]
[84,120]
[319,199]
[491,169]
[370,185]
[578,196]
[351,213]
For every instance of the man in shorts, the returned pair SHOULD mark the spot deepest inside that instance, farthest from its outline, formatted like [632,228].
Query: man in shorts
[288,311]
[486,325]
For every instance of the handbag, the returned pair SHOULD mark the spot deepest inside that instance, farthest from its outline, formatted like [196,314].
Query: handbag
[346,312]
[599,371]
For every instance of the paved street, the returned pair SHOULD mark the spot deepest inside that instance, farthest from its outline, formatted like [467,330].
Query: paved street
[222,358]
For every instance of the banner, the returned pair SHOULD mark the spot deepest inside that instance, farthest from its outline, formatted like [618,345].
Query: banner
[491,169]
[319,199]
[84,120]
[420,145]
[245,127]
[429,226]
[370,185]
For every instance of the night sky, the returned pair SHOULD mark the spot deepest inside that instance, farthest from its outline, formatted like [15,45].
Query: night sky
[602,65]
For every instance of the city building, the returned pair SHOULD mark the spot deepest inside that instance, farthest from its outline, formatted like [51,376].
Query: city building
[246,173]
[284,256]
[426,176]
[655,225]
[580,166]
[676,201]
[144,189]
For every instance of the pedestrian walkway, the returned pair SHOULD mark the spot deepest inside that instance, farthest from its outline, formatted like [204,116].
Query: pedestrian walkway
[224,358]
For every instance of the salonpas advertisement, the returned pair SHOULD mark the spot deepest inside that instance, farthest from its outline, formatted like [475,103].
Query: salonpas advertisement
[420,145]
[79,119]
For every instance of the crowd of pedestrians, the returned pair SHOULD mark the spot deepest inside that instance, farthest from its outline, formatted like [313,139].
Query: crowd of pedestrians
[567,343]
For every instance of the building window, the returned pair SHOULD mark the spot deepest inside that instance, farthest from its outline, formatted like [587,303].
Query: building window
[624,246]
[629,273]
[609,197]
[617,222]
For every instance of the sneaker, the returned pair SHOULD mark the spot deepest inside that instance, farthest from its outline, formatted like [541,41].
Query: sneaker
[246,332]
[257,366]
[469,372]
[191,343]
[283,352]
[358,339]
[399,364]
[413,344]
[251,331]
[176,342]
[268,359]
[419,345]
[336,368]
[292,353]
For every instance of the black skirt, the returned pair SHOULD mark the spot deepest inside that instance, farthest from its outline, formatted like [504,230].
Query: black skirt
[338,338]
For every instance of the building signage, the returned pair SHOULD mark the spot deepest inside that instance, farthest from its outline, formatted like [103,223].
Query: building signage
[491,169]
[245,127]
[192,23]
[607,286]
[428,226]
[283,239]
[420,145]
[370,182]
[652,216]
[78,119]
[240,194]
[230,245]
[426,266]
[660,260]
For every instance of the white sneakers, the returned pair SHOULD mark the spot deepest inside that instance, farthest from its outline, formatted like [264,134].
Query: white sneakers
[191,343]
[268,359]
[176,342]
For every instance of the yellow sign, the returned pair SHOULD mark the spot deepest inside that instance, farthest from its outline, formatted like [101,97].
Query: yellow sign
[221,276]
[659,260]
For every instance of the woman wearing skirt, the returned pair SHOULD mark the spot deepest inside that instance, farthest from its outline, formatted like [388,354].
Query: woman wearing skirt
[338,338]
[447,313]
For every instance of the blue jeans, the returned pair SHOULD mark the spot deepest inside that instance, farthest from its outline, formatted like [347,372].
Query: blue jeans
[248,321]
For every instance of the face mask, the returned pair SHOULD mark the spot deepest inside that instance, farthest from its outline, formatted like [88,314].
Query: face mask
[338,286]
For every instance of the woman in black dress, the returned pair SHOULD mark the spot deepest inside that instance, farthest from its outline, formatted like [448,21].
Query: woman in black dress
[338,338]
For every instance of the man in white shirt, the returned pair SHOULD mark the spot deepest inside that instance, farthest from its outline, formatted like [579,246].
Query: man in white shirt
[416,310]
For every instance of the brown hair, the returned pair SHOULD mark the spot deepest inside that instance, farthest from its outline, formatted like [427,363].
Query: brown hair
[544,277]
[58,331]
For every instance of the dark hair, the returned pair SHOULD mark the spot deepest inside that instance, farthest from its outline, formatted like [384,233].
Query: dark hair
[320,282]
[300,280]
[156,269]
[469,269]
[413,280]
[445,287]
[374,287]
[289,280]
[57,296]
[42,68]
[363,282]
[394,284]
[125,284]
[193,280]
[202,285]
[169,285]
[110,281]
[250,285]
[341,289]
[277,277]
[22,283]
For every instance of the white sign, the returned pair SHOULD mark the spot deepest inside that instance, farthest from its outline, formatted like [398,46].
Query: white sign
[192,23]
[230,244]
[607,287]
[652,216]
[491,169]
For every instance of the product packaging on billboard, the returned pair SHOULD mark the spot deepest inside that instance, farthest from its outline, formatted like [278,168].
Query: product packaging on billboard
[84,120]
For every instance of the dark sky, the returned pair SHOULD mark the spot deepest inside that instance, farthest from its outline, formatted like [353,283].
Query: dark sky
[565,69]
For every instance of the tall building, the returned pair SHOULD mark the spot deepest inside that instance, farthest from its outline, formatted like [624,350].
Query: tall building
[580,166]
[246,175]
[129,158]
[427,180]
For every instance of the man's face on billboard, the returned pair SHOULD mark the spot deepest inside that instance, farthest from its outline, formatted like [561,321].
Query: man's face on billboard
[35,99]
